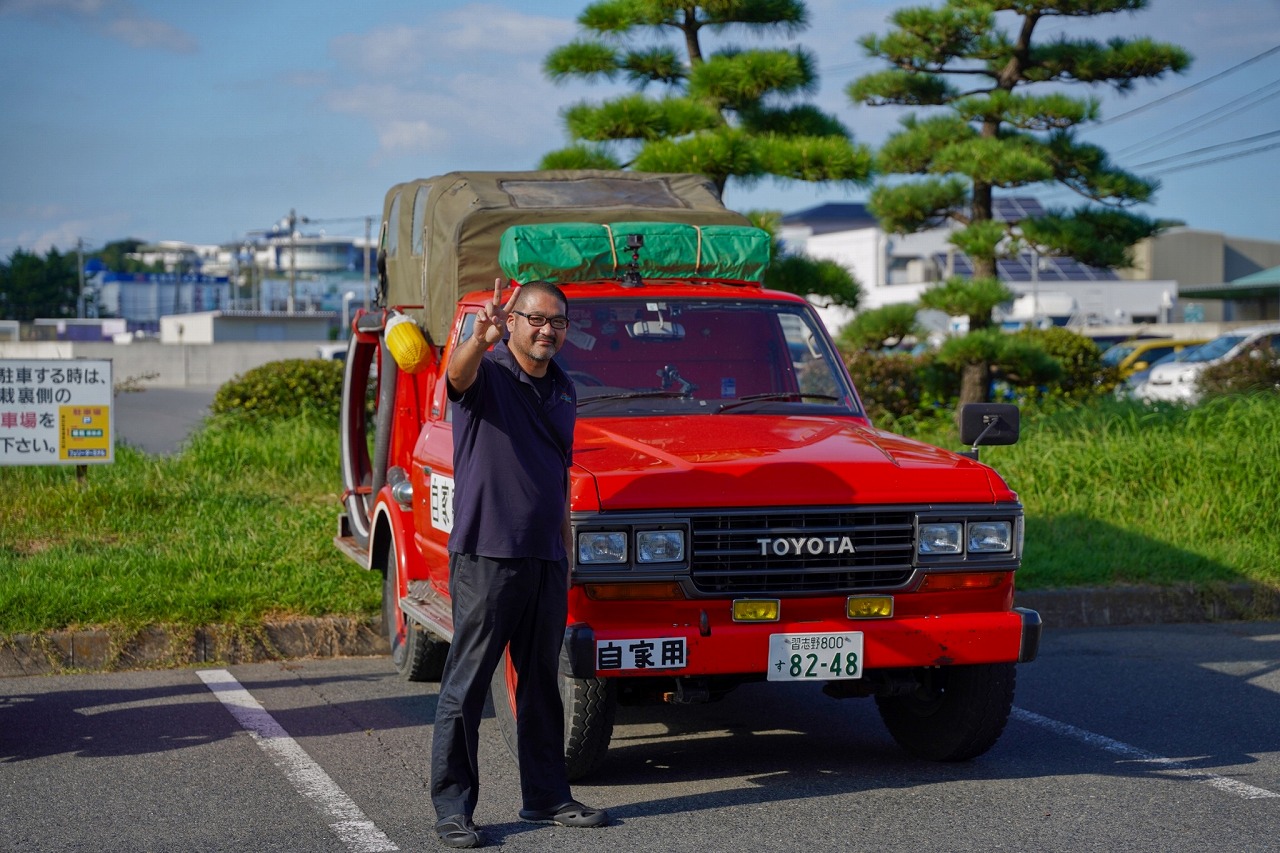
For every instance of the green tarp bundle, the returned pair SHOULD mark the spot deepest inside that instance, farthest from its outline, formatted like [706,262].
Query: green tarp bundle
[563,252]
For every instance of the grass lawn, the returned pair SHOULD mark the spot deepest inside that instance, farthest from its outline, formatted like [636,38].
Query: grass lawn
[239,525]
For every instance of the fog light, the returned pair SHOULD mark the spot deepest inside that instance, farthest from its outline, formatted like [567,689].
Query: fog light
[869,606]
[756,610]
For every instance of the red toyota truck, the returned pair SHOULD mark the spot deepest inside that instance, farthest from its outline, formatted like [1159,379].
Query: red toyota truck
[736,515]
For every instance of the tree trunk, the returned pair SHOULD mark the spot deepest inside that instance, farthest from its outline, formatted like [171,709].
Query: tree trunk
[975,383]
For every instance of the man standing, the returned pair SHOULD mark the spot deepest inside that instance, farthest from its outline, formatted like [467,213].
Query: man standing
[514,413]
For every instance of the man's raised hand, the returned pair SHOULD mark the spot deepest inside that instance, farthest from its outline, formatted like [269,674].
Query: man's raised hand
[491,319]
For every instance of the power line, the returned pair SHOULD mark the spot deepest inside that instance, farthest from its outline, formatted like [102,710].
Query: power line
[1198,123]
[1200,163]
[1247,140]
[1184,90]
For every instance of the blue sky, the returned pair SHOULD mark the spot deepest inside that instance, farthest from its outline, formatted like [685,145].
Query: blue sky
[200,121]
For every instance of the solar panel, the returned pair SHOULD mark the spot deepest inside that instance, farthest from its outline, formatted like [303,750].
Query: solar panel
[1014,208]
[1019,268]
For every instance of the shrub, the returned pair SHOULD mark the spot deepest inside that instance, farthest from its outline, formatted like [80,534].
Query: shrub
[1084,376]
[1254,371]
[898,387]
[282,389]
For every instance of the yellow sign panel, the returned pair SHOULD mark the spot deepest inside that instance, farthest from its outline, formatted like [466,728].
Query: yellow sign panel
[84,433]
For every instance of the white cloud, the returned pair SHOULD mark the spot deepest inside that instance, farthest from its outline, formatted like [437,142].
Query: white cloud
[409,137]
[150,33]
[382,52]
[463,80]
[465,35]
[115,19]
[46,228]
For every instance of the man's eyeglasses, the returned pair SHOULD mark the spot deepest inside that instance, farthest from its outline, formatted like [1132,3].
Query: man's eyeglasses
[557,322]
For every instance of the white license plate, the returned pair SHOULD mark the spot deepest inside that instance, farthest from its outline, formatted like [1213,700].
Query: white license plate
[815,657]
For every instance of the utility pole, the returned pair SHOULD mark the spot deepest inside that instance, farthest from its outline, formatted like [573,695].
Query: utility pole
[1035,288]
[80,312]
[293,258]
[368,236]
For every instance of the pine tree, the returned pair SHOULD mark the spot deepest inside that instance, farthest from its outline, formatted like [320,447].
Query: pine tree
[733,113]
[991,135]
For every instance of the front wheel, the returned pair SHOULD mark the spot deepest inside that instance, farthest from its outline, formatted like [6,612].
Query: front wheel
[590,705]
[957,712]
[416,654]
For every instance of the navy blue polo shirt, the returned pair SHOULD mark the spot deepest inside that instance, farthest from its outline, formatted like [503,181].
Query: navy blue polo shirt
[511,448]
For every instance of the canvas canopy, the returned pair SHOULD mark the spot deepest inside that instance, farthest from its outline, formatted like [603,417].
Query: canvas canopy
[442,235]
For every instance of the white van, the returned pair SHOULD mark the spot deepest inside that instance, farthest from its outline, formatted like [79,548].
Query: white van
[1177,380]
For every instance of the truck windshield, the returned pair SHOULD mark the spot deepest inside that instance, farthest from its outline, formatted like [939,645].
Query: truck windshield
[646,356]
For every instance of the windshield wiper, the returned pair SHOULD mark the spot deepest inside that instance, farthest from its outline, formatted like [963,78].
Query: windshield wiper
[775,395]
[632,395]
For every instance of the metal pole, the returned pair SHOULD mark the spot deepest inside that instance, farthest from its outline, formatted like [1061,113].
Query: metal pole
[368,237]
[80,309]
[1035,288]
[346,313]
[293,258]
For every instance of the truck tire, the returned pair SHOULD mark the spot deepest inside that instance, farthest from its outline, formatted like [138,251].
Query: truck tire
[590,705]
[416,654]
[957,713]
[357,472]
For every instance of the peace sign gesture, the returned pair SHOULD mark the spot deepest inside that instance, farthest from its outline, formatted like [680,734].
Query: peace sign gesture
[491,319]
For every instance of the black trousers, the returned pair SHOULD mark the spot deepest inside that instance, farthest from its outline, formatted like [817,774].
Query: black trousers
[496,602]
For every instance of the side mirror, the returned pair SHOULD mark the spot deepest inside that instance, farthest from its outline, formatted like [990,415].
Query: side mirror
[988,424]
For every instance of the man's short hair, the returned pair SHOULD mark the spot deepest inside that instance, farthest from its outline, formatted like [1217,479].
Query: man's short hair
[540,286]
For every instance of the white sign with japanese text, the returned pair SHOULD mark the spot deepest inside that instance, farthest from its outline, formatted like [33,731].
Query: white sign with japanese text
[56,412]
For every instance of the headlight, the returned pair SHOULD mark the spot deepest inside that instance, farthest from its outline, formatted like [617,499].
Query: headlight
[988,537]
[659,546]
[942,538]
[600,547]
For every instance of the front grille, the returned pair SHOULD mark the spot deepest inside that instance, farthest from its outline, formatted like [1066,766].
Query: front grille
[727,559]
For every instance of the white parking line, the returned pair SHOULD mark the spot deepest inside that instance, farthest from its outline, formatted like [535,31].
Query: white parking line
[1177,768]
[357,832]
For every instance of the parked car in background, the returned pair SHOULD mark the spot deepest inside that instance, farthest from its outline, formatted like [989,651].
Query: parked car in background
[1133,385]
[1177,381]
[1129,357]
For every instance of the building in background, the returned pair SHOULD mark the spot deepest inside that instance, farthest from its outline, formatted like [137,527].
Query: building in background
[1220,278]
[271,273]
[1181,275]
[221,327]
[141,299]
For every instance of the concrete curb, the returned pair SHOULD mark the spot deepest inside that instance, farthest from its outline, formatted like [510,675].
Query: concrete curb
[1096,607]
[158,647]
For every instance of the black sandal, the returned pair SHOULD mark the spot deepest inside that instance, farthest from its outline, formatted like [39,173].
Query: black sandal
[571,813]
[458,831]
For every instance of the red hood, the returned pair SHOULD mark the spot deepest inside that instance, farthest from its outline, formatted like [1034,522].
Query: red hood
[759,460]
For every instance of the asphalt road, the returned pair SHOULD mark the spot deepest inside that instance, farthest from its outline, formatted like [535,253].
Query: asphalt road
[1162,738]
[158,420]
